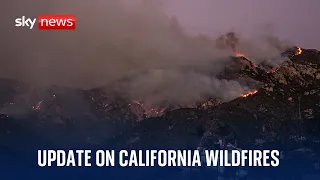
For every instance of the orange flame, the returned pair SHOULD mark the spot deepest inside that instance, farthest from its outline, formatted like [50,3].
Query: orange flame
[240,55]
[249,93]
[299,51]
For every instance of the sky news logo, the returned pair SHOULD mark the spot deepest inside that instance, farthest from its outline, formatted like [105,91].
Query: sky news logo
[48,22]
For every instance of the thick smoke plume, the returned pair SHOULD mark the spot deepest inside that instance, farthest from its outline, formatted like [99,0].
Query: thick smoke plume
[115,40]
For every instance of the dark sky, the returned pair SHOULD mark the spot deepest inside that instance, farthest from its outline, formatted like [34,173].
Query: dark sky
[294,20]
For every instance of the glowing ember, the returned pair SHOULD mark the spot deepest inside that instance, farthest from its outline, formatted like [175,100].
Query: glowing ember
[240,55]
[299,51]
[148,111]
[249,93]
[37,107]
[137,102]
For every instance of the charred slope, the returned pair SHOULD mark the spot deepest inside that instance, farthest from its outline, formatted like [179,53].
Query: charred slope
[63,115]
[285,110]
[286,106]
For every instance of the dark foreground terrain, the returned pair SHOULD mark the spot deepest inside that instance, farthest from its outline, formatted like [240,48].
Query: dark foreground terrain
[284,114]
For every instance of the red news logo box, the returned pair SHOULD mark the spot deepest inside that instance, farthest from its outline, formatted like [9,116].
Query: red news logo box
[56,22]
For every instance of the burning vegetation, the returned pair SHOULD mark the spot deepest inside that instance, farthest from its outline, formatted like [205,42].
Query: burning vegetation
[299,51]
[143,110]
[249,93]
[239,55]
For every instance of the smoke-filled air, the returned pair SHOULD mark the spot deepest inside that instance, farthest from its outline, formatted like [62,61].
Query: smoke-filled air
[134,43]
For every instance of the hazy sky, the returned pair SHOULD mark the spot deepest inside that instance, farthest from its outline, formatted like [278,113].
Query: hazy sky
[294,20]
[112,39]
